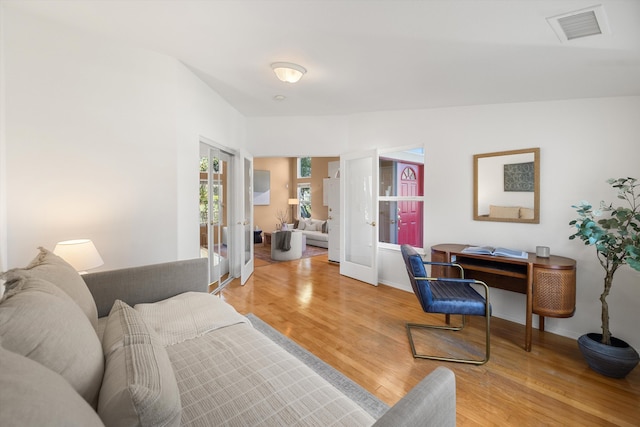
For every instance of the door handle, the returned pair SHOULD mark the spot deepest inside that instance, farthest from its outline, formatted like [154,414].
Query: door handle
[372,223]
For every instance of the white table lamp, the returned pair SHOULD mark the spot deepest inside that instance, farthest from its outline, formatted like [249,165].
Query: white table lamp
[81,254]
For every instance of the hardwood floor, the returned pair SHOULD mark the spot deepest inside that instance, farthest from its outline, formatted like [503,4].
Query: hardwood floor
[360,330]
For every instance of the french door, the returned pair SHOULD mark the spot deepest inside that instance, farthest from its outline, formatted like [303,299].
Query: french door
[216,236]
[358,228]
[246,224]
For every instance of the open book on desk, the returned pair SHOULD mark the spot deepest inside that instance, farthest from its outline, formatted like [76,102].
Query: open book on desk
[488,250]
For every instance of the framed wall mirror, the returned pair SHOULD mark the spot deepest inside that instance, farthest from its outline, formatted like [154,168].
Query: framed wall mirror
[506,186]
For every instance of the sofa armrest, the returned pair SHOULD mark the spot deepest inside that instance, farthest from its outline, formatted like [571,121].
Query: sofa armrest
[146,284]
[430,403]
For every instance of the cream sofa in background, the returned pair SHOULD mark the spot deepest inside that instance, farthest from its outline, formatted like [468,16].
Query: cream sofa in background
[315,230]
[148,346]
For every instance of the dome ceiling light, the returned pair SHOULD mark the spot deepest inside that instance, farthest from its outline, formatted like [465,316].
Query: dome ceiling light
[288,72]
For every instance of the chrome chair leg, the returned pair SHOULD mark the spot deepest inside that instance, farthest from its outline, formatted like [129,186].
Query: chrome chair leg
[450,328]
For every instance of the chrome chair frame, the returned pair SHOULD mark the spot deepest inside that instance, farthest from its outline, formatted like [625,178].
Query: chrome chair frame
[441,282]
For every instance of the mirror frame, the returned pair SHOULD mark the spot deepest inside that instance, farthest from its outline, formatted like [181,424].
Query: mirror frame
[536,185]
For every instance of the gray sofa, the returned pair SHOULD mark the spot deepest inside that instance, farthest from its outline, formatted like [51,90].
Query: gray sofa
[148,346]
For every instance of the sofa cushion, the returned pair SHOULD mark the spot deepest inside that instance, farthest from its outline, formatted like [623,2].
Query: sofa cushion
[54,269]
[236,376]
[32,395]
[316,235]
[139,386]
[187,316]
[40,321]
[310,224]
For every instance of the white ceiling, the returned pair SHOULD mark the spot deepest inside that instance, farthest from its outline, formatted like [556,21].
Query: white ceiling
[368,55]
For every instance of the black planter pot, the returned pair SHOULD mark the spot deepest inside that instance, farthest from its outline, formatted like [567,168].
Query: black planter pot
[615,360]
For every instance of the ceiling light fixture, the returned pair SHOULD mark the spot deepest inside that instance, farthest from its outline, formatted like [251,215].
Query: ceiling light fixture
[288,72]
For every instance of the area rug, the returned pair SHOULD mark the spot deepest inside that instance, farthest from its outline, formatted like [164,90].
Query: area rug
[374,406]
[263,252]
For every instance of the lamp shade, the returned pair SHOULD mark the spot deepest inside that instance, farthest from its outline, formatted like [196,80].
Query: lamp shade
[288,72]
[81,254]
[294,201]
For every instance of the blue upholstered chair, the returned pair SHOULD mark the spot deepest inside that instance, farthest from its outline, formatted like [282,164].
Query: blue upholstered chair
[447,296]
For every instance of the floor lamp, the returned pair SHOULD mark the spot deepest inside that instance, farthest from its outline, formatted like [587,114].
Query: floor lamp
[293,202]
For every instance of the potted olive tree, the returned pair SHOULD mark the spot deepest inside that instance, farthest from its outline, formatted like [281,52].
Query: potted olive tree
[617,242]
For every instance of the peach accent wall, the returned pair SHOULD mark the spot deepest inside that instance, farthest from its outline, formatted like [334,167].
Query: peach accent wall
[264,217]
[283,185]
[319,171]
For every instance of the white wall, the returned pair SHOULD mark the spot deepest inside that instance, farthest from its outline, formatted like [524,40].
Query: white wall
[201,113]
[321,136]
[582,143]
[100,142]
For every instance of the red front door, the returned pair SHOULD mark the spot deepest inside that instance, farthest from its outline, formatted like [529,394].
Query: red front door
[409,212]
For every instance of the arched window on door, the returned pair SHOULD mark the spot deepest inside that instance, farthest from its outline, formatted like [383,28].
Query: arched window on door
[401,198]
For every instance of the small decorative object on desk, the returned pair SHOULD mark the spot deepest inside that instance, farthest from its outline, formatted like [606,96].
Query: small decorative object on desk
[543,251]
[488,250]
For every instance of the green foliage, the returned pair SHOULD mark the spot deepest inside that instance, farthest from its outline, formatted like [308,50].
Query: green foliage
[616,238]
[305,167]
[204,164]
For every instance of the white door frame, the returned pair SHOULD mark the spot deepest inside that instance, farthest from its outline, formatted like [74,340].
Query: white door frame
[245,221]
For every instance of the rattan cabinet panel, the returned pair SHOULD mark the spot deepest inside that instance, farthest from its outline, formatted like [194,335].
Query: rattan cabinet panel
[554,292]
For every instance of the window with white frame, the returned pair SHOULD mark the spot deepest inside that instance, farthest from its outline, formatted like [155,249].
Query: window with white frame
[304,167]
[304,196]
[401,198]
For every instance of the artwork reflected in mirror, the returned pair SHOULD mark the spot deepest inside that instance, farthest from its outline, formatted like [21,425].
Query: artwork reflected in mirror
[507,186]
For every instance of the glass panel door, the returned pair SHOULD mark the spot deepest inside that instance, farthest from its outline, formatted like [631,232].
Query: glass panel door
[215,211]
[246,224]
[358,230]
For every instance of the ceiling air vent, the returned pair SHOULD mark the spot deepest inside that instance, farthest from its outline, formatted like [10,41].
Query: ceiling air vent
[581,23]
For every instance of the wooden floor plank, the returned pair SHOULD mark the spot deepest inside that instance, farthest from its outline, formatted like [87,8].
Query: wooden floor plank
[359,329]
